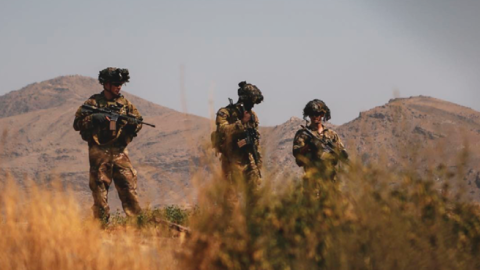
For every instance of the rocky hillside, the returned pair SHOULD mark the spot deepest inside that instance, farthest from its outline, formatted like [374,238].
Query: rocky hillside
[277,144]
[419,132]
[422,133]
[38,141]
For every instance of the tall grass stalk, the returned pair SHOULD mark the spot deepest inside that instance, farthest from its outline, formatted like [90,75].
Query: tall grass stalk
[46,229]
[372,218]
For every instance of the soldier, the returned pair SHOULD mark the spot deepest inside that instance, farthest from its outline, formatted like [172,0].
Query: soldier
[316,148]
[237,137]
[107,141]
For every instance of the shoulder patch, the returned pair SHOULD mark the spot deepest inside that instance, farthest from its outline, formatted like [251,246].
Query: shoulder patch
[223,112]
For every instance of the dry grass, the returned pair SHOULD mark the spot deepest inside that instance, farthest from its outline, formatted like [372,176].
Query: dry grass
[45,229]
[379,220]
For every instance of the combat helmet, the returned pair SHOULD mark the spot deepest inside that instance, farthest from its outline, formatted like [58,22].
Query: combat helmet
[316,106]
[113,75]
[249,94]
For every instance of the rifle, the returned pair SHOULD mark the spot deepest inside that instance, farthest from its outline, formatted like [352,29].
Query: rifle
[113,112]
[172,225]
[251,136]
[327,145]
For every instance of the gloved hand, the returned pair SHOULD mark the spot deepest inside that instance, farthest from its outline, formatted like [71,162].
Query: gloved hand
[316,145]
[99,118]
[129,122]
[133,121]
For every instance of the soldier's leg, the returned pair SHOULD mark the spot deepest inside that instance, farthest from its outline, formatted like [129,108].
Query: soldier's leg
[230,196]
[251,173]
[125,179]
[309,187]
[100,180]
[319,183]
[253,181]
[252,186]
[225,167]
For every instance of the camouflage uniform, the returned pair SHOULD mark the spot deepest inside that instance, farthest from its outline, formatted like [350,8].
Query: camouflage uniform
[238,162]
[312,156]
[318,152]
[108,155]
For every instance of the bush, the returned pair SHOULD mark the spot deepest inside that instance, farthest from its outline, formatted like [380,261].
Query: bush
[379,220]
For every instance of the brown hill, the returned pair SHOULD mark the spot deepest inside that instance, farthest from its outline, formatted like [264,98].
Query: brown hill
[39,141]
[419,124]
[423,133]
[277,146]
[418,132]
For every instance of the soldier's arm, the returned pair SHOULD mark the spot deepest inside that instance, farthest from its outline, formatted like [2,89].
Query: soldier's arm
[338,142]
[340,148]
[225,127]
[83,120]
[134,112]
[300,144]
[301,148]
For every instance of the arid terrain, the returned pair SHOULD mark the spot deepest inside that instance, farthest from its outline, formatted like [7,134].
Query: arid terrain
[38,140]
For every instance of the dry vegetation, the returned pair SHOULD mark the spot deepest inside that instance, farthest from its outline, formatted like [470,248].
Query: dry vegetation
[379,220]
[414,223]
[387,215]
[374,217]
[47,229]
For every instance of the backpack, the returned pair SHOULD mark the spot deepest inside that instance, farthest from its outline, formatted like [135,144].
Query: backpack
[217,139]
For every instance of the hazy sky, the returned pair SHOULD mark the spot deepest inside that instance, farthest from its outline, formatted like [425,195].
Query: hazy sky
[352,54]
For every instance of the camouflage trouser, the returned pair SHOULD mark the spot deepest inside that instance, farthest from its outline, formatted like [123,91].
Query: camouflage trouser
[318,180]
[107,164]
[236,171]
[242,178]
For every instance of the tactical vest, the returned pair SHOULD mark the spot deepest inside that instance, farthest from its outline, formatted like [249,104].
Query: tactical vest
[98,134]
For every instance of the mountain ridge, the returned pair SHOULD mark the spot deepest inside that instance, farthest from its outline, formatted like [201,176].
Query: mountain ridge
[74,89]
[39,140]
